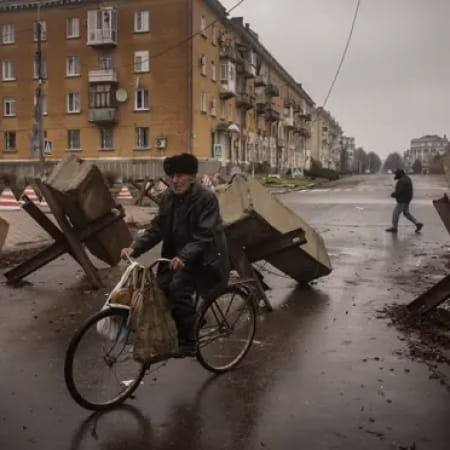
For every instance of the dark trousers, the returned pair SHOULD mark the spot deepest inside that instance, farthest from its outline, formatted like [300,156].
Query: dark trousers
[179,288]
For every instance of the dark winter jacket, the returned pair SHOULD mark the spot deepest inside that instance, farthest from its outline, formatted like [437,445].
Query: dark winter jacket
[403,190]
[190,227]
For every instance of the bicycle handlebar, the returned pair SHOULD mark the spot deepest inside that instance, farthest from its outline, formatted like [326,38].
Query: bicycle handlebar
[153,264]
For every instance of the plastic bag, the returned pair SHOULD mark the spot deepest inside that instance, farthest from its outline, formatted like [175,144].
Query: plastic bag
[108,327]
[155,330]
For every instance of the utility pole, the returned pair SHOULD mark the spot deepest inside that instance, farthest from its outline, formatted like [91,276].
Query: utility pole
[38,136]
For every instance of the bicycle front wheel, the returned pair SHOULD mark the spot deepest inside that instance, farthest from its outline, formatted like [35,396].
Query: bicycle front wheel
[99,368]
[225,330]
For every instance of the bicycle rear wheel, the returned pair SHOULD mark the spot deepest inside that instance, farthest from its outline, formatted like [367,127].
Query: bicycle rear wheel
[99,370]
[225,330]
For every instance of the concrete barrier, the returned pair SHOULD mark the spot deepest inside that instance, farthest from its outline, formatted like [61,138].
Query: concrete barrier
[254,217]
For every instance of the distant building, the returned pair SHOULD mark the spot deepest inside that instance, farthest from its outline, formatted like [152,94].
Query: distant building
[425,149]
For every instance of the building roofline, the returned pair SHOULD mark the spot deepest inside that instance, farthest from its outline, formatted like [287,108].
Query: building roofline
[17,5]
[248,34]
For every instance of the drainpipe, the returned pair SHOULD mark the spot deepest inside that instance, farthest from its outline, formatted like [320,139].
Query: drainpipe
[190,87]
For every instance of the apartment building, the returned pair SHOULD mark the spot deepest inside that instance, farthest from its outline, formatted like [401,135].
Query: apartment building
[426,148]
[326,139]
[123,84]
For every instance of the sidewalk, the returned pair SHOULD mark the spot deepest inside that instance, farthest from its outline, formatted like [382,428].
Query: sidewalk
[25,233]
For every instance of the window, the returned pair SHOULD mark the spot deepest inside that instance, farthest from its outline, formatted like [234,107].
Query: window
[9,106]
[9,70]
[73,102]
[10,141]
[203,102]
[142,137]
[203,61]
[213,107]
[203,26]
[43,103]
[73,140]
[43,30]
[213,34]
[72,27]
[213,71]
[141,21]
[101,96]
[102,26]
[106,138]
[72,66]
[222,109]
[230,112]
[142,61]
[224,72]
[105,60]
[141,100]
[43,69]
[8,33]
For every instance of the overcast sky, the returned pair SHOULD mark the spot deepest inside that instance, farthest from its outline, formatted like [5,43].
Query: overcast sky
[395,81]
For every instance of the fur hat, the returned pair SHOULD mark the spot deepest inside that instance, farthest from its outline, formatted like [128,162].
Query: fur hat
[398,174]
[181,164]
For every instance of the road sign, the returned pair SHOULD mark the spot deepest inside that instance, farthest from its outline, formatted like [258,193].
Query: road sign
[47,147]
[297,172]
[217,151]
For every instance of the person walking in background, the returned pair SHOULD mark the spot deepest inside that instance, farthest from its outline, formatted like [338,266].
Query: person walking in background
[403,194]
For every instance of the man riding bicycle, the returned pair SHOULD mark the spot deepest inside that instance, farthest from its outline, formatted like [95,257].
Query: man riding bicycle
[190,226]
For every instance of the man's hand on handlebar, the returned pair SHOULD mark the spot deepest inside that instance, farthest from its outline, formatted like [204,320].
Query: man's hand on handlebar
[176,264]
[126,253]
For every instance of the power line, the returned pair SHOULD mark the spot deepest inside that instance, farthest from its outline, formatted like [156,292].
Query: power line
[355,16]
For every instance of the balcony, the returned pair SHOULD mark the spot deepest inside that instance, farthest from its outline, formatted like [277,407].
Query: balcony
[261,108]
[102,27]
[227,91]
[261,81]
[102,115]
[271,114]
[102,76]
[228,53]
[302,131]
[272,90]
[288,122]
[246,69]
[245,101]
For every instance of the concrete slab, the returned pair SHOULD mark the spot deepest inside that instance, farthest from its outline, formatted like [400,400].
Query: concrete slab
[254,215]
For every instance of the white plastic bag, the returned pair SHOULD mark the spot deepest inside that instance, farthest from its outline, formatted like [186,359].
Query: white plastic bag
[108,327]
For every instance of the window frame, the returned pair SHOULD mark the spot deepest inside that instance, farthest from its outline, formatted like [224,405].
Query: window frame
[145,99]
[44,104]
[203,64]
[9,41]
[203,103]
[76,100]
[44,69]
[77,66]
[12,64]
[43,30]
[70,141]
[11,101]
[203,26]
[146,22]
[138,137]
[8,148]
[223,109]
[213,71]
[70,20]
[110,130]
[213,110]
[213,34]
[144,62]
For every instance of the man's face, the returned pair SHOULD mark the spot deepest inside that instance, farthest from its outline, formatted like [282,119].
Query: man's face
[181,182]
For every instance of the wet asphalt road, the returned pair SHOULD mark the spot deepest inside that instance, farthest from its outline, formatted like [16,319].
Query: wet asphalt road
[323,373]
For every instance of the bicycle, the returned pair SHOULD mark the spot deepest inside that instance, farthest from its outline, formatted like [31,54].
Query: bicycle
[225,329]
